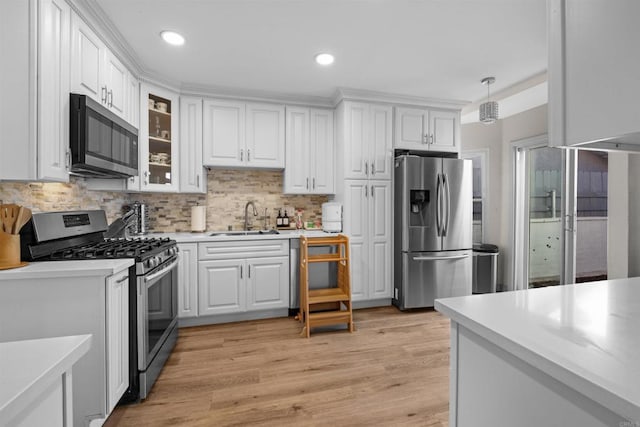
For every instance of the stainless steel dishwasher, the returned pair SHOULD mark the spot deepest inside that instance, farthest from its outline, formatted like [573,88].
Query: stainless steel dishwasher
[321,275]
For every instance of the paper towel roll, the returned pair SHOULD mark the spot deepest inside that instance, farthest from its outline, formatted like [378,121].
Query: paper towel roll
[198,218]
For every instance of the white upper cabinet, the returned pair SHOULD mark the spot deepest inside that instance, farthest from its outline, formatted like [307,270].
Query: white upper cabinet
[224,140]
[133,101]
[321,154]
[593,73]
[193,177]
[53,90]
[34,123]
[158,140]
[87,52]
[427,130]
[116,83]
[296,171]
[309,165]
[412,129]
[367,140]
[97,72]
[237,134]
[265,135]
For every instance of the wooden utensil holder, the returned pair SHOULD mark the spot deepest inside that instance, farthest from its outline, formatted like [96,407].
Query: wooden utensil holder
[9,249]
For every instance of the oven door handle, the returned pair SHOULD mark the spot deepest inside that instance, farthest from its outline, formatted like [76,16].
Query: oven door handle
[161,272]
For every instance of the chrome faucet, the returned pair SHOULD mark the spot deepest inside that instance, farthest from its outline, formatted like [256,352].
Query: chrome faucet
[246,213]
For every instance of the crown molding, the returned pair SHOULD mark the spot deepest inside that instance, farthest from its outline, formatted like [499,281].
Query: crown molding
[254,95]
[91,12]
[350,94]
[158,79]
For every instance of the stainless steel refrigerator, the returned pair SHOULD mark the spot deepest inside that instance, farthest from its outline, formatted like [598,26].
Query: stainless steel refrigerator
[432,230]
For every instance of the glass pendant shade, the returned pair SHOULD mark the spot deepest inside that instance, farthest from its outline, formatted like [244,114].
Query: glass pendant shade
[489,112]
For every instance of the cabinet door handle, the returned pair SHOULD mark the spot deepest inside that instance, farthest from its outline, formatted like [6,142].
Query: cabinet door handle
[67,160]
[241,272]
[366,168]
[307,183]
[241,155]
[249,271]
[366,191]
[372,193]
[431,139]
[198,181]
[110,98]
[248,154]
[122,279]
[373,168]
[146,177]
[314,183]
[103,94]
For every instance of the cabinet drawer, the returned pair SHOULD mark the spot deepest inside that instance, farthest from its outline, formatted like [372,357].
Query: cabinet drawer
[243,249]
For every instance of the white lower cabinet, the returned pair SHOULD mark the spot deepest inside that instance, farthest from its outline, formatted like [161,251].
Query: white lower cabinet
[235,276]
[367,222]
[221,287]
[267,283]
[188,280]
[117,296]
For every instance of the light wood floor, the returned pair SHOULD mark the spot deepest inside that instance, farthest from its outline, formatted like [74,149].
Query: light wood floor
[393,370]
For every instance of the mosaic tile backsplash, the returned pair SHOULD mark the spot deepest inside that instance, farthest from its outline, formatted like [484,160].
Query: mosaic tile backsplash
[228,191]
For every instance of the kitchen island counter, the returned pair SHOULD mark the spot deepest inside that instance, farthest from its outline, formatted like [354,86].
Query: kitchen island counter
[35,379]
[56,269]
[575,348]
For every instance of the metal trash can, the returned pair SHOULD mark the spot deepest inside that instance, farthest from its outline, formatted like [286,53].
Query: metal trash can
[485,268]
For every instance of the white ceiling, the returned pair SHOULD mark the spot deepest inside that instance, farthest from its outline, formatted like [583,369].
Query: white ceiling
[430,48]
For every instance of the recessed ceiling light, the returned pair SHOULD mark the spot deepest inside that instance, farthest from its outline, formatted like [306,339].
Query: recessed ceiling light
[172,38]
[324,59]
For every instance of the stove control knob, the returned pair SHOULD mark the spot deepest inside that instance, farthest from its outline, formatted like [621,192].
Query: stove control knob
[152,262]
[174,251]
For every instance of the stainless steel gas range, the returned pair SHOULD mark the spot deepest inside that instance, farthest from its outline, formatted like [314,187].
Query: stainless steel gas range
[153,283]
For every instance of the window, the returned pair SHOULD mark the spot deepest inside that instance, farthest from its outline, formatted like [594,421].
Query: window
[479,166]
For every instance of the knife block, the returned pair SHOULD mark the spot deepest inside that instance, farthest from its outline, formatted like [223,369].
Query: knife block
[9,249]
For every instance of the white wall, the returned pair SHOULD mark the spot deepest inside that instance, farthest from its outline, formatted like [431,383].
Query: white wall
[478,136]
[618,212]
[497,139]
[634,215]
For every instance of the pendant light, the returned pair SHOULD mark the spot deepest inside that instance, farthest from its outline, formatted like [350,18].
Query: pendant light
[489,109]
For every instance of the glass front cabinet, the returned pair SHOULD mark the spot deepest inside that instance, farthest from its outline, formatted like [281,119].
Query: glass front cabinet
[158,141]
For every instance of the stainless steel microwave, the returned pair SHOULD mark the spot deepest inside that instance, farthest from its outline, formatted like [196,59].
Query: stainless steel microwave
[102,144]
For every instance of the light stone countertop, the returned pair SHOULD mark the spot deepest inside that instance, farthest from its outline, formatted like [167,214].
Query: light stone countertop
[587,335]
[79,268]
[206,236]
[28,367]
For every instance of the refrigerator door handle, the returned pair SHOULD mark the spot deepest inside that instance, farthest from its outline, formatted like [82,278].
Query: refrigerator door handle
[445,181]
[438,202]
[438,258]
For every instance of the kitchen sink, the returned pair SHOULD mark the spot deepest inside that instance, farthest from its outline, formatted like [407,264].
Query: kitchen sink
[244,233]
